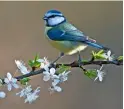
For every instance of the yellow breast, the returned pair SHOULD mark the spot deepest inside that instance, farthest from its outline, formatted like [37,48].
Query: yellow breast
[66,47]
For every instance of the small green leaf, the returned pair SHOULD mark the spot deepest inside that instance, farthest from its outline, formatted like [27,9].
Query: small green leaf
[100,52]
[24,81]
[93,53]
[120,58]
[62,68]
[1,82]
[98,55]
[30,63]
[34,63]
[36,57]
[91,73]
[84,60]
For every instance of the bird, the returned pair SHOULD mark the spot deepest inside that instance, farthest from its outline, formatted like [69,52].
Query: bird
[65,37]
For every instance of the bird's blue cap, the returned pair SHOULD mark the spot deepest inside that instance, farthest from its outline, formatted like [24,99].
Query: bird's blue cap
[52,13]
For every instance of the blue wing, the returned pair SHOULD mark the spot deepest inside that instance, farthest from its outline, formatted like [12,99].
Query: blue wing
[70,33]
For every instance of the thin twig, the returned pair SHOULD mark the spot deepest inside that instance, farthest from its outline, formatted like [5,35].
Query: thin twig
[72,65]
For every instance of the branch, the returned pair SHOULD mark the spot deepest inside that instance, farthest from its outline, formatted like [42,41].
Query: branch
[76,64]
[72,65]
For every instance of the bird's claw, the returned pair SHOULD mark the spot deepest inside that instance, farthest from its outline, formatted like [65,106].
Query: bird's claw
[80,62]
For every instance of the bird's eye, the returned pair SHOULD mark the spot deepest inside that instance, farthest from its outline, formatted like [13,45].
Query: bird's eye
[52,16]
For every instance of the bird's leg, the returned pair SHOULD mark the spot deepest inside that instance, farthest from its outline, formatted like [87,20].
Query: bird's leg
[79,59]
[80,62]
[61,55]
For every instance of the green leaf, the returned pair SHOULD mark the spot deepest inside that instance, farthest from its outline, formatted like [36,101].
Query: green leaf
[37,64]
[100,52]
[1,82]
[34,63]
[98,55]
[120,58]
[24,81]
[30,63]
[84,60]
[91,73]
[62,68]
[36,57]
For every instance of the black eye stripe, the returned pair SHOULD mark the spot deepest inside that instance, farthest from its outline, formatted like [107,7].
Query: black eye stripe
[52,16]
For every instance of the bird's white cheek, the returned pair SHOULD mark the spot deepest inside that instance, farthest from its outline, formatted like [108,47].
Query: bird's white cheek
[55,21]
[52,22]
[45,22]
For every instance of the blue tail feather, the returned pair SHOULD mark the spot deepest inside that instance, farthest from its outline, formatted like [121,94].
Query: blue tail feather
[96,45]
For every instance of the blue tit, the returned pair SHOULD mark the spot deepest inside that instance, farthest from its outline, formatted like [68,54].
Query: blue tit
[64,36]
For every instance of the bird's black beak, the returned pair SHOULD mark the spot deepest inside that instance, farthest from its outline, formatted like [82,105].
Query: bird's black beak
[44,18]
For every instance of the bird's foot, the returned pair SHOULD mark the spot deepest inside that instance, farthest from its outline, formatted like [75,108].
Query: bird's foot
[80,61]
[61,54]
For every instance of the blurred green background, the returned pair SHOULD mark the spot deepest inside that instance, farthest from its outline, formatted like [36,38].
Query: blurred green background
[22,36]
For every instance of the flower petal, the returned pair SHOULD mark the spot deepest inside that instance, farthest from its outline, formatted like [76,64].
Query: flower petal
[26,100]
[14,80]
[17,62]
[36,91]
[46,73]
[9,76]
[52,71]
[46,78]
[22,94]
[109,53]
[58,89]
[100,78]
[65,78]
[9,87]
[31,97]
[96,78]
[40,60]
[2,94]
[55,77]
[21,67]
[6,80]
[15,85]
[46,60]
[46,67]
[42,65]
[100,75]
[55,82]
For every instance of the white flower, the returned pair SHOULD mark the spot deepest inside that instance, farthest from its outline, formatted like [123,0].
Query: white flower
[56,81]
[40,60]
[108,56]
[11,82]
[44,60]
[50,74]
[64,76]
[36,91]
[25,91]
[32,96]
[22,67]
[2,94]
[100,74]
[55,89]
[44,63]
